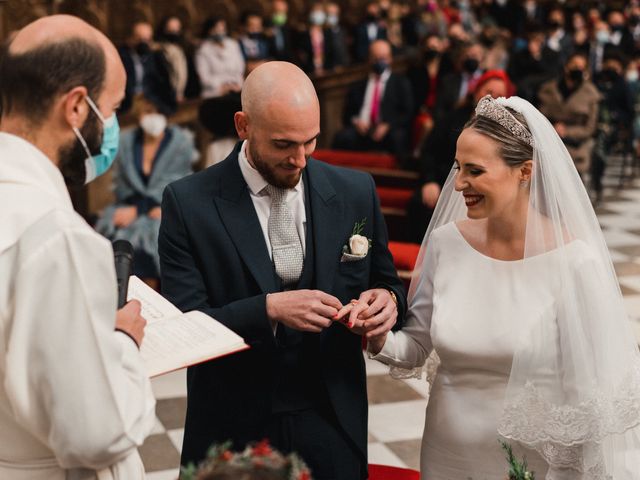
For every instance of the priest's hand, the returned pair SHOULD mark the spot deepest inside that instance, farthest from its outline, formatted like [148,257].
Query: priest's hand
[305,310]
[130,321]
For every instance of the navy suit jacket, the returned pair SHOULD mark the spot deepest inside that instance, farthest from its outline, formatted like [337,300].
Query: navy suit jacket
[214,258]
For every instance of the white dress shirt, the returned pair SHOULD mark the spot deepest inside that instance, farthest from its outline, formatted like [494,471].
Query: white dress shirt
[262,201]
[365,111]
[75,401]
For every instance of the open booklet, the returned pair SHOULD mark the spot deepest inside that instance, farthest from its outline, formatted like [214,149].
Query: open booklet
[174,340]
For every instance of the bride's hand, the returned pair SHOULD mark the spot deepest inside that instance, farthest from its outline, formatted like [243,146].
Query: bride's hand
[375,344]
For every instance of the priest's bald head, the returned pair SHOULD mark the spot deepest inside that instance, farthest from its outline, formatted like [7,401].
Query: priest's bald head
[50,72]
[280,119]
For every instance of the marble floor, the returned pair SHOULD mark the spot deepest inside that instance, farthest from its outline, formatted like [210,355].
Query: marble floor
[397,409]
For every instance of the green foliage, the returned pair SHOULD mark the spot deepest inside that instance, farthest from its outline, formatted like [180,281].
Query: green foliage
[517,470]
[359,226]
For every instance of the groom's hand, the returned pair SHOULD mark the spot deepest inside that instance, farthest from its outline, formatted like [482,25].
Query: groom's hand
[305,310]
[373,314]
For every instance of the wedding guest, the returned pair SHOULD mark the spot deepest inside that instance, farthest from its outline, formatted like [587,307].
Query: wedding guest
[178,52]
[621,36]
[246,241]
[169,37]
[313,48]
[531,67]
[515,291]
[378,110]
[372,28]
[600,44]
[425,80]
[134,55]
[456,85]
[335,35]
[571,104]
[558,39]
[146,67]
[615,117]
[281,36]
[253,41]
[150,156]
[395,35]
[580,33]
[219,60]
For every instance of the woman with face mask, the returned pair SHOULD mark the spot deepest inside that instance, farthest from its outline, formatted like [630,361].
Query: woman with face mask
[219,60]
[312,49]
[150,156]
[571,103]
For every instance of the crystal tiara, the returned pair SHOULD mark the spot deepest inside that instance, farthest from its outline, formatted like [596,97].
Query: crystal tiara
[490,108]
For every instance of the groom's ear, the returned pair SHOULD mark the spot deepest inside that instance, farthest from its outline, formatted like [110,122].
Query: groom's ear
[526,169]
[242,125]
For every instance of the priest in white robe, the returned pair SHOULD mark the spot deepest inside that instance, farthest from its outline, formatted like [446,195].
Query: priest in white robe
[75,401]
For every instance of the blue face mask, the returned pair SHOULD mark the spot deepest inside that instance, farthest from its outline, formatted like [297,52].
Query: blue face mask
[96,165]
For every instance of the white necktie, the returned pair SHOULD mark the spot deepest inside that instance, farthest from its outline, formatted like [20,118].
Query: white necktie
[283,235]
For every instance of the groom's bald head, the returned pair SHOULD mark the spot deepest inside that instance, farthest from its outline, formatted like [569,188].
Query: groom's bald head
[280,119]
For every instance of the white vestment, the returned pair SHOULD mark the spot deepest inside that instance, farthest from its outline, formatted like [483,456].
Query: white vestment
[75,401]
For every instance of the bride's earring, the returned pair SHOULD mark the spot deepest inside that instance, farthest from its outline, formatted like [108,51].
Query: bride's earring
[524,183]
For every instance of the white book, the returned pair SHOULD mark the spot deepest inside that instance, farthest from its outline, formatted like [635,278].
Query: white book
[174,340]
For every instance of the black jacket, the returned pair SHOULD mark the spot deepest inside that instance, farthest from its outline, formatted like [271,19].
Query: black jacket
[214,258]
[397,102]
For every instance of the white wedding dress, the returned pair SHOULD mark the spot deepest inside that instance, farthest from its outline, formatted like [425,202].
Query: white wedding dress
[468,307]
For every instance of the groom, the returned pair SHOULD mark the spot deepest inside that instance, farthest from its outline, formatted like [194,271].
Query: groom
[258,242]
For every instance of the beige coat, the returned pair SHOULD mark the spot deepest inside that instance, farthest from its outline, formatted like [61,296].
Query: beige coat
[579,113]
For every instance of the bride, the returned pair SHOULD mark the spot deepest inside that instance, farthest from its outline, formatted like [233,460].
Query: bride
[515,291]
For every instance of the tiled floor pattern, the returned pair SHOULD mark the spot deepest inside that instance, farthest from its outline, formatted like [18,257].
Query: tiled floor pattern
[396,414]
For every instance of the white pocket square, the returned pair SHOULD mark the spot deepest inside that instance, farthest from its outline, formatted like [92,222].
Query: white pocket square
[348,257]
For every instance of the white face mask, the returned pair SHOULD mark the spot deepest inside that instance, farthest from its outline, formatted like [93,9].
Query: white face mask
[632,75]
[153,124]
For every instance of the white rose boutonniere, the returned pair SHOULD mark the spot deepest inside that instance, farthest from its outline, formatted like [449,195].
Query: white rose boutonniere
[358,245]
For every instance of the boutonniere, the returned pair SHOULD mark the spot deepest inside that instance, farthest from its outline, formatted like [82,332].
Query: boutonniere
[358,245]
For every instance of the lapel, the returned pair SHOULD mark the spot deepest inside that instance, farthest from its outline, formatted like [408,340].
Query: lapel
[326,214]
[239,216]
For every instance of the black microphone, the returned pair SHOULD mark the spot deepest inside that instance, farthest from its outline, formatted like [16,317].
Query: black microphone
[123,257]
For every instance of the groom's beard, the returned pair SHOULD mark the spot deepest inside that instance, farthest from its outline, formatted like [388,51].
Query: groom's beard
[270,172]
[72,155]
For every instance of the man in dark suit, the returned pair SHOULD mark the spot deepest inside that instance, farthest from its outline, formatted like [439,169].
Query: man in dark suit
[372,28]
[275,245]
[147,69]
[378,110]
[456,85]
[279,33]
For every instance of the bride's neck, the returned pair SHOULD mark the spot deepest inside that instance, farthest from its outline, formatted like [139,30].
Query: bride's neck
[509,229]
